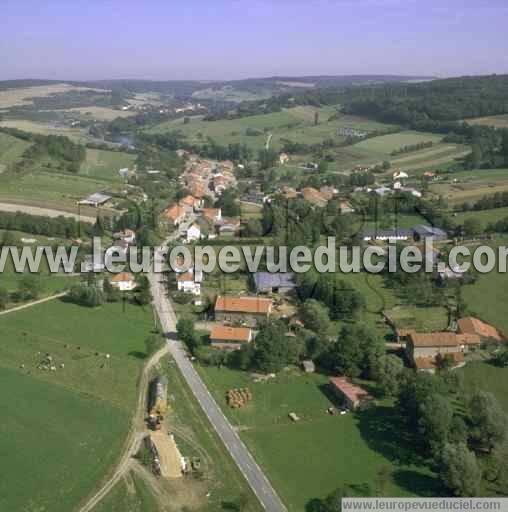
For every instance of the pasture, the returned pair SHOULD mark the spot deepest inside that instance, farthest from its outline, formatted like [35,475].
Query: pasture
[295,124]
[11,149]
[312,457]
[484,216]
[63,429]
[104,165]
[100,113]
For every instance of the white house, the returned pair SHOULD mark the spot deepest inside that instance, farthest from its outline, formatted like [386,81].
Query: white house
[187,283]
[193,233]
[124,281]
[126,235]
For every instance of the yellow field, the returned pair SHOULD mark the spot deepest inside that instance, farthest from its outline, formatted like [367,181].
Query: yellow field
[495,121]
[100,113]
[75,134]
[22,96]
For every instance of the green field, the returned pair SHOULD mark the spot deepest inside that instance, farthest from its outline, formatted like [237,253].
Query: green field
[49,188]
[486,377]
[485,216]
[312,457]
[469,186]
[488,296]
[11,150]
[104,165]
[63,429]
[385,144]
[296,124]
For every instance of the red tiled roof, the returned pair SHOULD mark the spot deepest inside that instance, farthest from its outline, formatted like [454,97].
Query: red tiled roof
[472,325]
[186,276]
[225,333]
[243,304]
[174,212]
[352,391]
[443,339]
[122,277]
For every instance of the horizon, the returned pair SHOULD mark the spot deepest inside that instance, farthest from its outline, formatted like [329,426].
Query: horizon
[236,40]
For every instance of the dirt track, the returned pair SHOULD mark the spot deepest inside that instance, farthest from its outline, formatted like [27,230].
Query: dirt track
[37,210]
[136,434]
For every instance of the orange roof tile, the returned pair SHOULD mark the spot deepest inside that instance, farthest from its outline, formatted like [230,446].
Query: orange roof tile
[122,277]
[243,304]
[352,391]
[472,325]
[225,333]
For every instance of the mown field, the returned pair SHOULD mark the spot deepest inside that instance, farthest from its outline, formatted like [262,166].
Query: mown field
[385,144]
[104,165]
[295,124]
[312,457]
[500,121]
[63,429]
[484,216]
[76,134]
[469,186]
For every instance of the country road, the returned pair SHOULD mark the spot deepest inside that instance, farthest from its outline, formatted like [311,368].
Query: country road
[33,303]
[46,212]
[136,434]
[238,451]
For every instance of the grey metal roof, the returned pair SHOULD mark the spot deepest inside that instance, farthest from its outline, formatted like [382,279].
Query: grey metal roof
[264,280]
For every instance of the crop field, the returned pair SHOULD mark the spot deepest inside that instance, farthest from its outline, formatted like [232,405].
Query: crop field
[500,121]
[385,144]
[99,113]
[469,186]
[50,188]
[295,124]
[23,95]
[11,149]
[430,158]
[312,457]
[76,134]
[421,319]
[63,429]
[104,165]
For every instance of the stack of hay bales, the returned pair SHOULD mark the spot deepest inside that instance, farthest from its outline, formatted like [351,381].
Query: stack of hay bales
[237,398]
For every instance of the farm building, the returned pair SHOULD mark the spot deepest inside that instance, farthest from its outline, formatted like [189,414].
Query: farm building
[430,345]
[352,395]
[124,281]
[158,397]
[212,214]
[280,282]
[421,232]
[127,235]
[314,196]
[472,325]
[96,200]
[229,226]
[431,364]
[190,203]
[230,338]
[386,234]
[244,310]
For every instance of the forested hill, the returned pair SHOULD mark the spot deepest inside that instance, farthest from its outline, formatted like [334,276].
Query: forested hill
[445,100]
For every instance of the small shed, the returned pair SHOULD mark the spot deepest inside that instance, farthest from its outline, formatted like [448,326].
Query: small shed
[308,366]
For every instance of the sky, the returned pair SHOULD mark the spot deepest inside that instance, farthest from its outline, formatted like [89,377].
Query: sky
[234,39]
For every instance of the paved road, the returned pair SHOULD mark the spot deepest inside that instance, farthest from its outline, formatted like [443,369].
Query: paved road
[252,472]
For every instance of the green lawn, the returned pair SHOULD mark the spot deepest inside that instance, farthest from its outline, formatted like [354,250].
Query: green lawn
[486,377]
[63,429]
[104,165]
[312,457]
